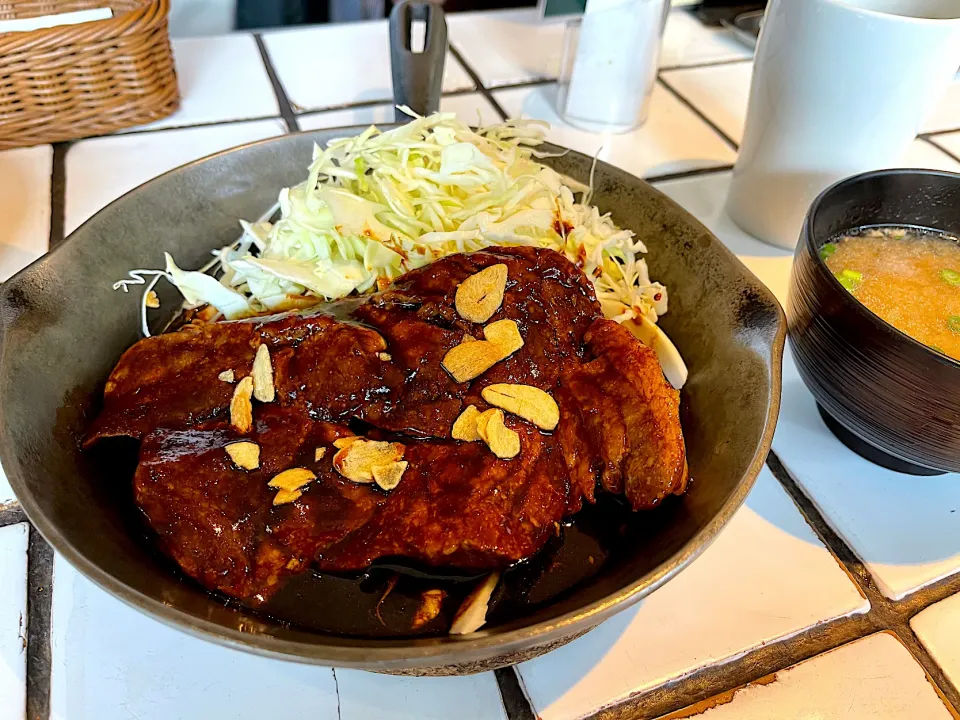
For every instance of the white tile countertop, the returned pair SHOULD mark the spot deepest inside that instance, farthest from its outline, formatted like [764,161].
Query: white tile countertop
[833,593]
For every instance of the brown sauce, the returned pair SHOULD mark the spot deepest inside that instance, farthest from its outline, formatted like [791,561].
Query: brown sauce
[908,277]
[352,605]
[598,539]
[191,505]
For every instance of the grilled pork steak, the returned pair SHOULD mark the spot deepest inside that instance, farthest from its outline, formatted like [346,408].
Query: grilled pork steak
[377,361]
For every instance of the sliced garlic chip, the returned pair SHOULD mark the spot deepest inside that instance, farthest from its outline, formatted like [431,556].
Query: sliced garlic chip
[505,335]
[388,476]
[465,426]
[245,455]
[357,460]
[286,496]
[468,360]
[530,403]
[472,613]
[480,295]
[263,375]
[502,441]
[483,419]
[292,479]
[241,409]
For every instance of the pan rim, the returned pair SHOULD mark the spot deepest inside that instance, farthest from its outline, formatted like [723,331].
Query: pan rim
[409,653]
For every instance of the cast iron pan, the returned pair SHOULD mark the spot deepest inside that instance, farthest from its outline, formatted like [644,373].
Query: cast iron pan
[63,329]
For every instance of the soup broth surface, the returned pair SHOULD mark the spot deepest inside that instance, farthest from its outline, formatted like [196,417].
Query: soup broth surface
[909,277]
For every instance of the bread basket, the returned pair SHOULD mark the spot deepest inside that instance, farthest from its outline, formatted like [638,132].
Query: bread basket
[74,81]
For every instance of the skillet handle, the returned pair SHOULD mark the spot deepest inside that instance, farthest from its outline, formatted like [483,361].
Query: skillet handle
[417,77]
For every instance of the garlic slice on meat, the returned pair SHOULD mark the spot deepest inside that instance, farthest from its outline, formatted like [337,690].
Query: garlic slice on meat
[241,409]
[244,454]
[480,295]
[262,374]
[357,460]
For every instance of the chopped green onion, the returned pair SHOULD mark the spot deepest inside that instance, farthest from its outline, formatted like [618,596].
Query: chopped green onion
[950,277]
[953,322]
[827,250]
[938,349]
[849,283]
[850,279]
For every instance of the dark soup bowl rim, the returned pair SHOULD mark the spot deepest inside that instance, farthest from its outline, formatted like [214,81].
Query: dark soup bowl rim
[867,377]
[850,301]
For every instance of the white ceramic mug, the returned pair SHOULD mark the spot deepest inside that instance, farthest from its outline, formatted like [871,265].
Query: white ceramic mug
[839,87]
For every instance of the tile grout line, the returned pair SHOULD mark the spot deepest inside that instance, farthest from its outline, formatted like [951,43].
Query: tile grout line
[515,703]
[336,687]
[693,108]
[902,609]
[363,104]
[286,108]
[937,133]
[843,553]
[478,83]
[298,114]
[12,515]
[935,674]
[884,615]
[891,615]
[929,139]
[58,194]
[725,676]
[682,174]
[705,64]
[538,82]
[187,126]
[39,601]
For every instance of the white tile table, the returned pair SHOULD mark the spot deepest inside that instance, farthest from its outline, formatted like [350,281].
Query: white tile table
[25,194]
[134,158]
[950,142]
[336,65]
[221,79]
[872,678]
[721,93]
[13,620]
[778,619]
[672,140]
[469,106]
[938,628]
[766,577]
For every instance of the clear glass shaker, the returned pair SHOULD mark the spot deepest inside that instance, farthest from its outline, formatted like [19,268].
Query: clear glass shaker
[609,64]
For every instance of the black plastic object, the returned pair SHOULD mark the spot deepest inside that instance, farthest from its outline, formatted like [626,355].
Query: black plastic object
[417,76]
[888,397]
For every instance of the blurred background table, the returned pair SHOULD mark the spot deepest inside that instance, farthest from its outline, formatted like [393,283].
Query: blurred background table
[832,594]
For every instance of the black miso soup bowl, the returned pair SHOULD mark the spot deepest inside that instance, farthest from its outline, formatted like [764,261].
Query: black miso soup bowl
[887,396]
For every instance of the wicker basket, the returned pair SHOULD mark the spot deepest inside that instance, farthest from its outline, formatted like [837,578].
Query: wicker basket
[75,81]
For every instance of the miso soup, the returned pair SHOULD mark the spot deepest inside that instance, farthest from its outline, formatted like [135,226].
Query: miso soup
[909,277]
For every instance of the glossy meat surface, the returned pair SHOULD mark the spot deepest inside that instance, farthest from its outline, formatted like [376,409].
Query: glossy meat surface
[376,361]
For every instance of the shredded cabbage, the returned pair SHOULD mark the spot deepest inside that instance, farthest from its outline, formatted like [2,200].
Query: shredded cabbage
[381,203]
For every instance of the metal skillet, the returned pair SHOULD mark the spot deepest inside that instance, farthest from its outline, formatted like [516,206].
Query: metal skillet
[63,329]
